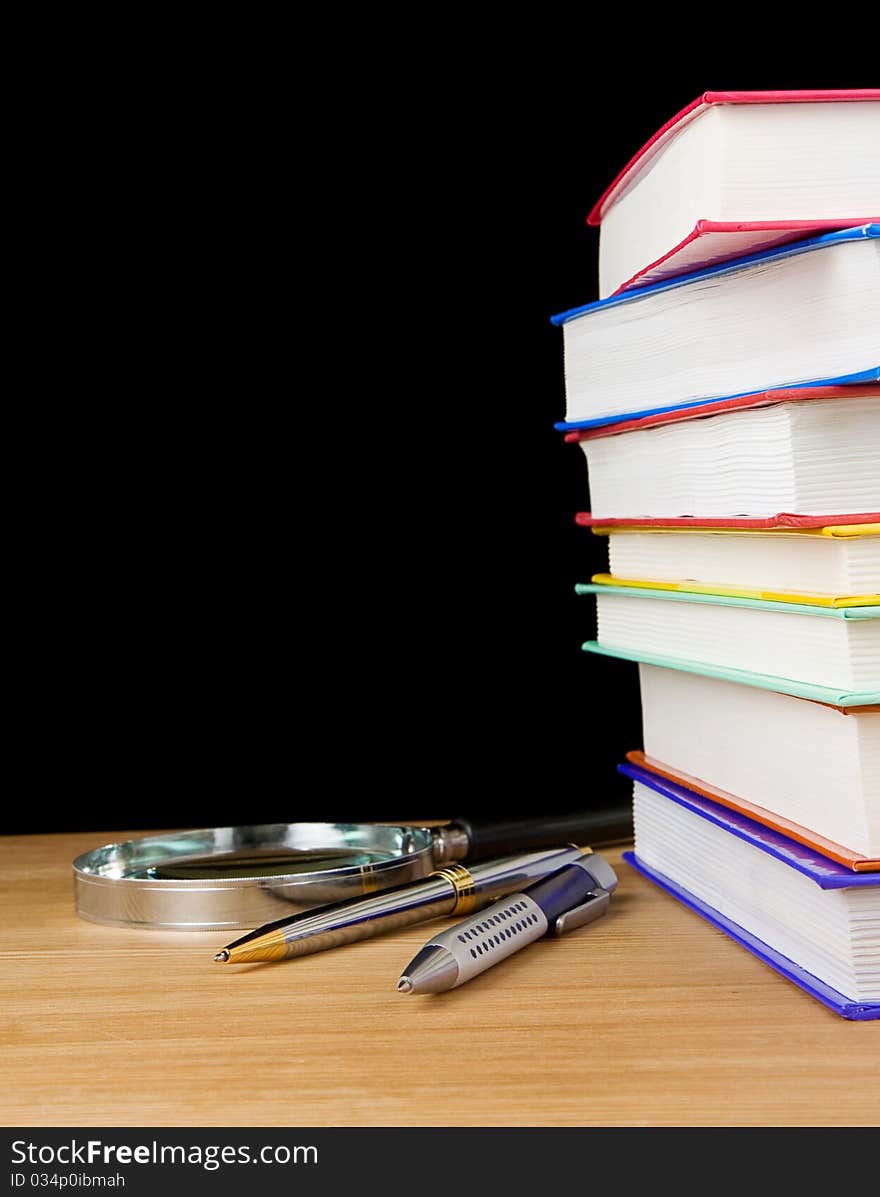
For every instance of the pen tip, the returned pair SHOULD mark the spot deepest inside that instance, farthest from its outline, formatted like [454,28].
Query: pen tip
[221,957]
[404,985]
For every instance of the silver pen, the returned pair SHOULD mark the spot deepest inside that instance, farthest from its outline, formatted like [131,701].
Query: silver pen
[453,889]
[574,895]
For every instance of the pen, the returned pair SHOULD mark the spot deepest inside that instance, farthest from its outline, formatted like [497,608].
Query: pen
[450,890]
[568,898]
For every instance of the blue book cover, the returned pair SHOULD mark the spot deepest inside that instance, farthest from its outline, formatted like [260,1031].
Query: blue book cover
[794,249]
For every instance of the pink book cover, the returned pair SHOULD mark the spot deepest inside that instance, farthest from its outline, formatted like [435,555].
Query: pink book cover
[711,241]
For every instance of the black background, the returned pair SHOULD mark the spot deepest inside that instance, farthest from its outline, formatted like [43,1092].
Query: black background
[313,553]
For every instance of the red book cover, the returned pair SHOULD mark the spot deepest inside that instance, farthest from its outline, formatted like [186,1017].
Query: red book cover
[741,402]
[753,524]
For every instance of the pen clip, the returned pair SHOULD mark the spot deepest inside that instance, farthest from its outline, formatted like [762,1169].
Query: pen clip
[595,906]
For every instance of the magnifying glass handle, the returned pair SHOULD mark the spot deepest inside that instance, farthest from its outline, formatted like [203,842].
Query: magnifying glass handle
[502,837]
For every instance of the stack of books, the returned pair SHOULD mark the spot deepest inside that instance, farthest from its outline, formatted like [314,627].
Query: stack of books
[726,393]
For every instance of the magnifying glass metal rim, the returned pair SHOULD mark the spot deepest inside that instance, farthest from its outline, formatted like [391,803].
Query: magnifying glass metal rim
[115,883]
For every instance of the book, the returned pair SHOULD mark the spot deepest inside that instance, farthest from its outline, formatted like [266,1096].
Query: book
[804,457]
[829,848]
[808,314]
[736,172]
[857,861]
[816,923]
[812,764]
[824,564]
[828,653]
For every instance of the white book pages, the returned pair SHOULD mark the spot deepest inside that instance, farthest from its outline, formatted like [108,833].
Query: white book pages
[775,561]
[815,765]
[820,457]
[820,650]
[833,934]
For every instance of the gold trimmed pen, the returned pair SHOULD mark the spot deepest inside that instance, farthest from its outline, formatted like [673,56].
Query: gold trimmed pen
[450,890]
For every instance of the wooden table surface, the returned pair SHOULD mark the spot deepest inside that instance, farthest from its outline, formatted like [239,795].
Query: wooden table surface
[648,1017]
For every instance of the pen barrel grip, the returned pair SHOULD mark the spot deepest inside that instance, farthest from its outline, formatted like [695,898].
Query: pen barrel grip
[497,932]
[502,837]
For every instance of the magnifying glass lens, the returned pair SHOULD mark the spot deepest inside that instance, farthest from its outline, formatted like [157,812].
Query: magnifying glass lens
[264,864]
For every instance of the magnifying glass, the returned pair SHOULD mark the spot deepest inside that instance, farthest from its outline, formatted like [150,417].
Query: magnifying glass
[223,878]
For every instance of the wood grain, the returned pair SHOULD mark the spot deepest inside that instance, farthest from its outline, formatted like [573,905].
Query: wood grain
[648,1017]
